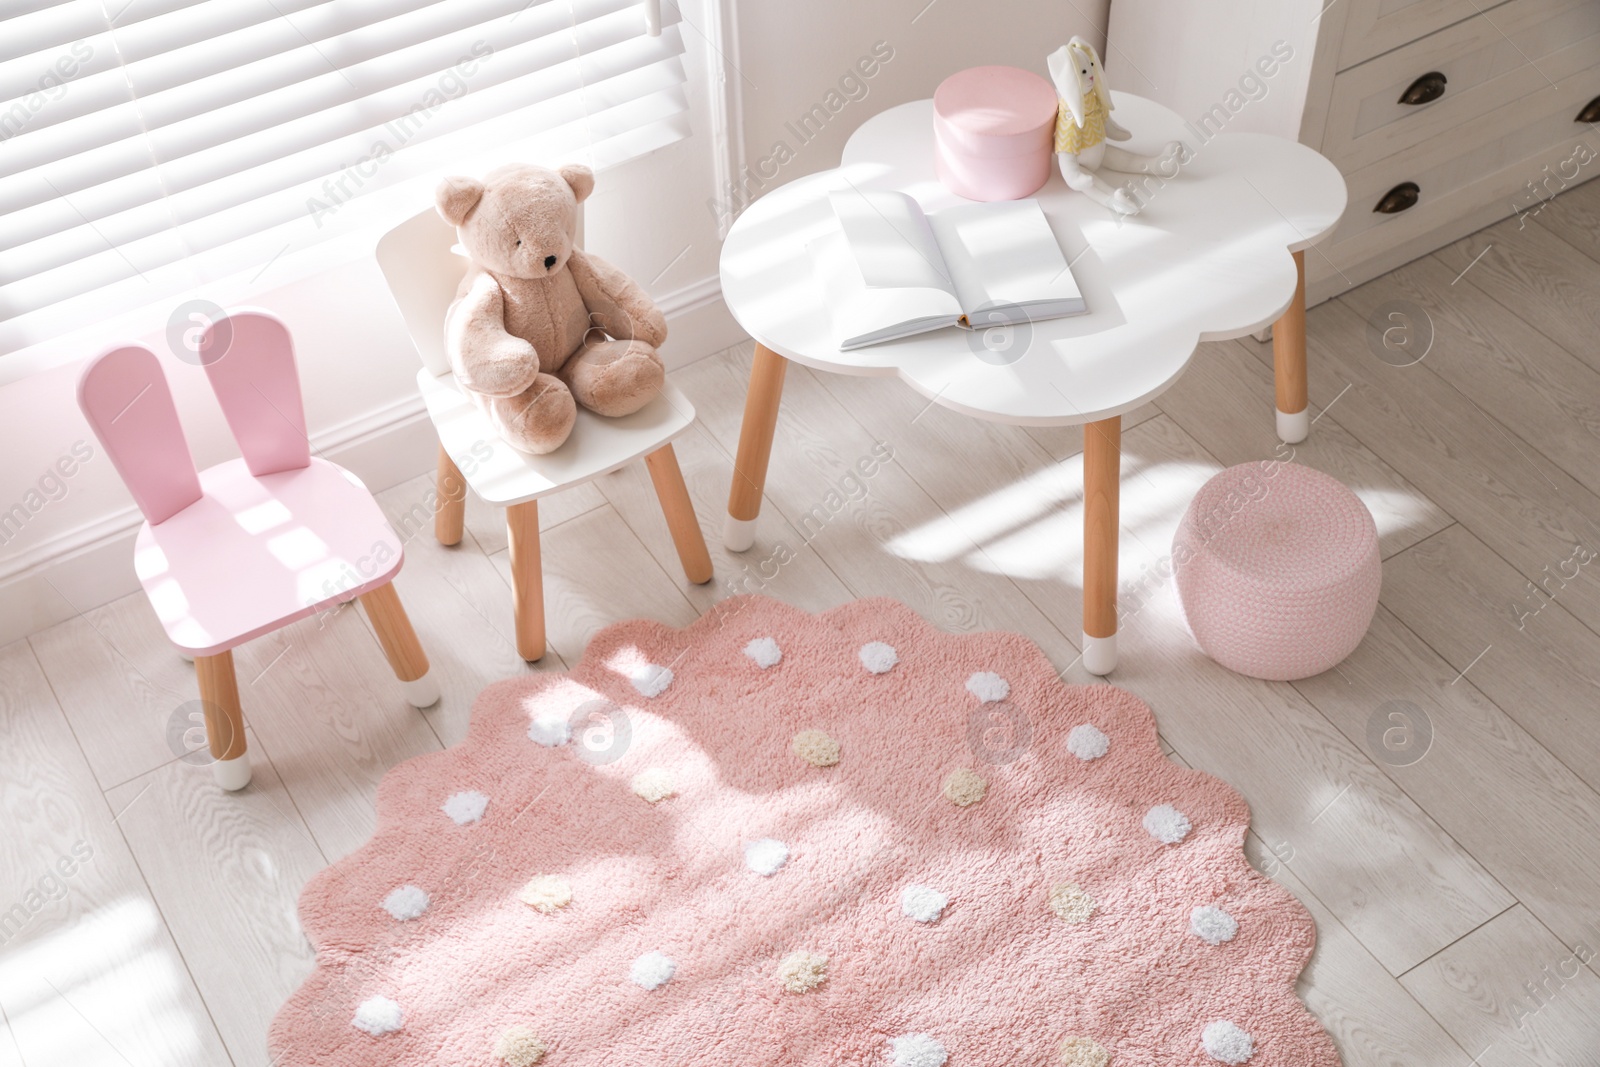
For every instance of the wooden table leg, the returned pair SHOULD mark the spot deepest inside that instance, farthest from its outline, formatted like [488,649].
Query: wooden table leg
[667,477]
[219,698]
[400,645]
[451,517]
[527,578]
[1102,462]
[1289,363]
[755,448]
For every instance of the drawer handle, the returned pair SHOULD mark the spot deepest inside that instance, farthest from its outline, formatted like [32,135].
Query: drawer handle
[1403,196]
[1590,112]
[1425,90]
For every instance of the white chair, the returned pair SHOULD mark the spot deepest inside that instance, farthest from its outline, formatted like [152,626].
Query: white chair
[423,271]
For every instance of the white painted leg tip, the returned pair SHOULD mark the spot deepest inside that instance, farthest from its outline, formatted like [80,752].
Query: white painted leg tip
[232,774]
[738,535]
[1292,429]
[422,692]
[1100,654]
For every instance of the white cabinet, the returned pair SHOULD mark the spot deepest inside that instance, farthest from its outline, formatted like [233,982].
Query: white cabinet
[1443,115]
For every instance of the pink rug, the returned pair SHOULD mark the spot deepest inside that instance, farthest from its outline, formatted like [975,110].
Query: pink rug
[774,838]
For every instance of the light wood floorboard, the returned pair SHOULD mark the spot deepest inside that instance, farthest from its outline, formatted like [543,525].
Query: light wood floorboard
[1509,495]
[226,870]
[1514,995]
[1536,274]
[1519,646]
[1219,403]
[1503,797]
[90,973]
[1541,392]
[1574,216]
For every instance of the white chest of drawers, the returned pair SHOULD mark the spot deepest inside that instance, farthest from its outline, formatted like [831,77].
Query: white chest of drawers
[1443,115]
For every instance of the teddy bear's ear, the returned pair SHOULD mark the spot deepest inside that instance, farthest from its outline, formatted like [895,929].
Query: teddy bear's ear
[581,179]
[456,197]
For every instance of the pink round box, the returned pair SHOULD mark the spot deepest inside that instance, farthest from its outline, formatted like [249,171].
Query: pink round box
[993,131]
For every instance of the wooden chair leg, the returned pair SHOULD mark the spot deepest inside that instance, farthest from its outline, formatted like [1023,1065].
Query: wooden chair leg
[450,519]
[755,448]
[1102,462]
[527,578]
[393,627]
[679,509]
[1289,363]
[219,697]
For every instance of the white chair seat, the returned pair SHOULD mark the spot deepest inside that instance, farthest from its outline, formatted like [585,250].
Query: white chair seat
[502,475]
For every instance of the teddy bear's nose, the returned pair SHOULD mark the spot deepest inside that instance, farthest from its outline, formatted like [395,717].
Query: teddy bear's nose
[549,261]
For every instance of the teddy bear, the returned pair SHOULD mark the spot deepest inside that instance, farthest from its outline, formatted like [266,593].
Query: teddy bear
[538,325]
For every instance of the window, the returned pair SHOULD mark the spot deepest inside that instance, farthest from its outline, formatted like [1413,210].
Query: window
[147,146]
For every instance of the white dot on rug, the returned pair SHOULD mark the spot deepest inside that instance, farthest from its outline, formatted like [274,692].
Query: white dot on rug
[1226,1043]
[1212,925]
[550,729]
[988,687]
[1087,742]
[1166,824]
[801,972]
[917,1050]
[651,679]
[465,807]
[519,1046]
[654,784]
[765,652]
[878,657]
[378,1016]
[406,902]
[922,903]
[546,893]
[766,855]
[652,970]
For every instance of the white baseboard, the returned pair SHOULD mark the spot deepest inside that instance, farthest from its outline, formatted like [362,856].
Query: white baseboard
[92,564]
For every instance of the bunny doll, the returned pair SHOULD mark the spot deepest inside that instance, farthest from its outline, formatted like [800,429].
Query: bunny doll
[1084,122]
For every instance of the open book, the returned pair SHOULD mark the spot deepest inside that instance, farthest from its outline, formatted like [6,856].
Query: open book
[891,271]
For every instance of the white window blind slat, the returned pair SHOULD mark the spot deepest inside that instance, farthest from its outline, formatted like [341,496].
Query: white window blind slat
[340,134]
[49,28]
[292,185]
[371,59]
[220,132]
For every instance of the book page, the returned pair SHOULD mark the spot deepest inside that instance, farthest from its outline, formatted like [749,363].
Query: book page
[1004,253]
[863,316]
[890,238]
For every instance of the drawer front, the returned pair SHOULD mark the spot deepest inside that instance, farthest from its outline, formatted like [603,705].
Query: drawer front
[1453,177]
[1372,27]
[1460,75]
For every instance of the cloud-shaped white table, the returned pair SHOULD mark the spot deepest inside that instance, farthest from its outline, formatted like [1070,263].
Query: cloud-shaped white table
[1217,252]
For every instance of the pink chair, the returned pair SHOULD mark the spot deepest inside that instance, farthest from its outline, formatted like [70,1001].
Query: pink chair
[250,545]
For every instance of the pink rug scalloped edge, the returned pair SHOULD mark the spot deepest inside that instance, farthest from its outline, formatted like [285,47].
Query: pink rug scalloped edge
[1094,906]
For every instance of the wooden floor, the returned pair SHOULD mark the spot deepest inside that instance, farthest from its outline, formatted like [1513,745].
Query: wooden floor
[1457,895]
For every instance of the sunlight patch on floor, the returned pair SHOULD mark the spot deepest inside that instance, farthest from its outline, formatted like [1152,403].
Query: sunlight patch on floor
[96,992]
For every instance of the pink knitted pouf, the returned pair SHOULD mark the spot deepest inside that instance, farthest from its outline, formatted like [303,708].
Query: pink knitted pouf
[1277,570]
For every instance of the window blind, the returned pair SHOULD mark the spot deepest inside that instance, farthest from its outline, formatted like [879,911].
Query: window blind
[149,145]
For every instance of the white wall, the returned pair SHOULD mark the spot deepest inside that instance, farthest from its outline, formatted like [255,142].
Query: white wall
[791,55]
[655,218]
